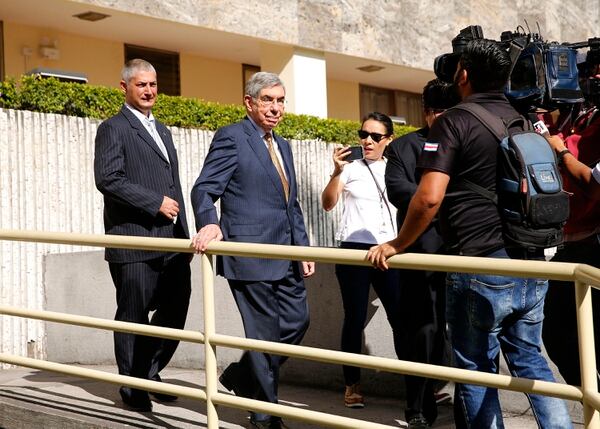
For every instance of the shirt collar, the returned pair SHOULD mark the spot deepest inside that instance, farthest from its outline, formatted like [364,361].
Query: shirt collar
[259,129]
[143,118]
[490,96]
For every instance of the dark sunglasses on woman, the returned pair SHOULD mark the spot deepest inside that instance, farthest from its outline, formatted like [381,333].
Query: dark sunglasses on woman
[376,137]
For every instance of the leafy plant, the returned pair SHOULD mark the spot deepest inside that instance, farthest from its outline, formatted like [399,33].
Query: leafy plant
[74,99]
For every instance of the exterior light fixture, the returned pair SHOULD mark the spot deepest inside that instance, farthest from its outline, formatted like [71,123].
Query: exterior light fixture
[370,68]
[91,16]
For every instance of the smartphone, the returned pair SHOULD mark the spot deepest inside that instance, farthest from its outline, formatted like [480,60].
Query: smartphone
[541,128]
[356,152]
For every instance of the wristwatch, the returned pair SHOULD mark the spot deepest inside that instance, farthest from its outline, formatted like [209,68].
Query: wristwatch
[561,155]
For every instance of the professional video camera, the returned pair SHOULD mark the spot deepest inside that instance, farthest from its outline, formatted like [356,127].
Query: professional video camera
[445,64]
[544,75]
[589,69]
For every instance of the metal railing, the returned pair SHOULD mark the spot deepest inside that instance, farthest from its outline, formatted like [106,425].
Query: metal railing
[584,276]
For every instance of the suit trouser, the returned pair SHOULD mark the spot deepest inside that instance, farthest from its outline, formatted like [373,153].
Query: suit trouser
[272,311]
[161,285]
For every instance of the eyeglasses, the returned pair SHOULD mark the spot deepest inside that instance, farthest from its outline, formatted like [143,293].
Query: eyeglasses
[376,137]
[267,101]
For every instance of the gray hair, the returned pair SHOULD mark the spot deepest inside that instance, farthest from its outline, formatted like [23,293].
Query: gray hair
[260,81]
[133,66]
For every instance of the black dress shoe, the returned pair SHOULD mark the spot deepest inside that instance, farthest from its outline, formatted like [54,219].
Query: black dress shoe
[272,423]
[230,381]
[162,397]
[260,424]
[137,400]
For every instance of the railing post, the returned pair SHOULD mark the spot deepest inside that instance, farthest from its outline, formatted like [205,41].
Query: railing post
[210,351]
[587,353]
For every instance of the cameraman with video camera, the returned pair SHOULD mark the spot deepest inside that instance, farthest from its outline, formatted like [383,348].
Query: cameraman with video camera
[486,314]
[579,155]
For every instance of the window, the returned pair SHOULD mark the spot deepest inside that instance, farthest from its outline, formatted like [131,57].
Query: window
[409,106]
[247,72]
[391,102]
[166,64]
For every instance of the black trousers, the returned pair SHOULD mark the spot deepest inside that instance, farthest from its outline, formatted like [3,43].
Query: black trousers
[423,309]
[272,311]
[414,305]
[161,285]
[560,322]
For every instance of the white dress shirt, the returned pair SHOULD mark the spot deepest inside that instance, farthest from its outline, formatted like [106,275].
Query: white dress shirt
[150,124]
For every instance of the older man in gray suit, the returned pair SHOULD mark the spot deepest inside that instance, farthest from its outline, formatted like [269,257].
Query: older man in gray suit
[136,170]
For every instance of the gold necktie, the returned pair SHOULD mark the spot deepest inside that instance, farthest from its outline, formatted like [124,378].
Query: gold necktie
[284,182]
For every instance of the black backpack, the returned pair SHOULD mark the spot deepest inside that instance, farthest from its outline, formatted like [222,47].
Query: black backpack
[529,193]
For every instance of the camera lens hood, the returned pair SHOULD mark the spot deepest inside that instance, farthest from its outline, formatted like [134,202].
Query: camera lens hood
[444,66]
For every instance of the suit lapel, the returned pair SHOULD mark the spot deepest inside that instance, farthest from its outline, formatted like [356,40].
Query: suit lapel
[142,132]
[260,149]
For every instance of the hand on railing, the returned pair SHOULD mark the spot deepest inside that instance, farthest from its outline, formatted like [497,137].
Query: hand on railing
[205,235]
[378,255]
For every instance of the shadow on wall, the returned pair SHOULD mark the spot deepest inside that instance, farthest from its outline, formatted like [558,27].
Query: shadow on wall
[79,283]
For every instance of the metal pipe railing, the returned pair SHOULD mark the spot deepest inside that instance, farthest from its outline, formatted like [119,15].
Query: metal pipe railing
[587,354]
[110,325]
[585,276]
[210,350]
[467,264]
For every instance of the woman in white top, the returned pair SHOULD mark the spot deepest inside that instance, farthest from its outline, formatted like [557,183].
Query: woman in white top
[368,219]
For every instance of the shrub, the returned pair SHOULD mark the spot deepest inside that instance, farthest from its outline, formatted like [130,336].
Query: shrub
[74,99]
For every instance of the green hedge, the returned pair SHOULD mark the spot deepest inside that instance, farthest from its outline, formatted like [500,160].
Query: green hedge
[52,96]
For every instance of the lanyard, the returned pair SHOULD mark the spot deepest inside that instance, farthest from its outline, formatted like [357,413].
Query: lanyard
[381,194]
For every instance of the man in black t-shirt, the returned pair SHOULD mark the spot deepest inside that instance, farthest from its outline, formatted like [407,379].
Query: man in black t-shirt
[486,314]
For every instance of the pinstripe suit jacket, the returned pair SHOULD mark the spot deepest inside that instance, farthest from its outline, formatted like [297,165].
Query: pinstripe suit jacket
[133,175]
[238,171]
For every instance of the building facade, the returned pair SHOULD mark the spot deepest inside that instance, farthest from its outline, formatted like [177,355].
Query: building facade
[339,59]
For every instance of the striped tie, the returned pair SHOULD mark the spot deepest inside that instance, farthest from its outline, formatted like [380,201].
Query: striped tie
[284,182]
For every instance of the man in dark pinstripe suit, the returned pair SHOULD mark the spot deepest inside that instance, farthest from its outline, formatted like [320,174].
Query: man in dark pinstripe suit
[136,170]
[251,171]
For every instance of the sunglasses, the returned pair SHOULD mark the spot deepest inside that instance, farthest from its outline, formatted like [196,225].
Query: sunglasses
[376,137]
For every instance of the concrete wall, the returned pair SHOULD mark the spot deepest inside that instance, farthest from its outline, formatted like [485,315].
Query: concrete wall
[210,79]
[46,179]
[100,60]
[407,32]
[343,101]
[47,183]
[79,283]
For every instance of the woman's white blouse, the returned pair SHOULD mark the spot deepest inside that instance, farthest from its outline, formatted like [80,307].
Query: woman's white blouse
[365,217]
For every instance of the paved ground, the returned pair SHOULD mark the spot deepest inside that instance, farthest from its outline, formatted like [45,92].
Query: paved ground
[37,399]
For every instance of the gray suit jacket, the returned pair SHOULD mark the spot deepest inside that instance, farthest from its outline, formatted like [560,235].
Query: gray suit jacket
[133,175]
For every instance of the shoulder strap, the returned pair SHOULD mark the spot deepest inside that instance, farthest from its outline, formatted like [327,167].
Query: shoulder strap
[493,123]
[496,126]
[486,193]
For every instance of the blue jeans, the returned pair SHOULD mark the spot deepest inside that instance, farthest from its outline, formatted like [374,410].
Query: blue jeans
[487,314]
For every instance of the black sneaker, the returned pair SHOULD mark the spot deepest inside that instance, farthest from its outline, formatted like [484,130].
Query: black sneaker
[418,422]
